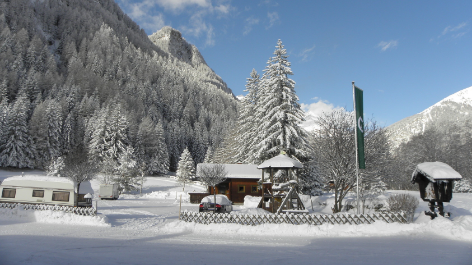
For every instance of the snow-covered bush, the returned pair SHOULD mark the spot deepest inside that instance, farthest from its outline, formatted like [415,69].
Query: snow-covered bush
[463,186]
[403,202]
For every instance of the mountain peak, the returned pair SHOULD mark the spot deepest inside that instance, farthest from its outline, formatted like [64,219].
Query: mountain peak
[171,41]
[462,97]
[455,109]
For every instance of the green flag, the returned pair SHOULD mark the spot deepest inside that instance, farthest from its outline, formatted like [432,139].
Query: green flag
[358,101]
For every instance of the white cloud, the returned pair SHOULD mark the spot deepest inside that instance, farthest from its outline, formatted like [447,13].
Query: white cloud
[273,18]
[452,29]
[385,45]
[307,53]
[197,26]
[315,110]
[139,13]
[143,12]
[455,31]
[249,23]
[179,5]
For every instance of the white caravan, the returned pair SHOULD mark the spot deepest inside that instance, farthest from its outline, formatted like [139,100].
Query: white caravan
[108,191]
[42,190]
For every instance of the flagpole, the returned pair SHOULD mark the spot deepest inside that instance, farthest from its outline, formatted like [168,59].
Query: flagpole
[355,140]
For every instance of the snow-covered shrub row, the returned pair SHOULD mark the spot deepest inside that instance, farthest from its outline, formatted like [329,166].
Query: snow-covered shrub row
[53,217]
[463,186]
[44,207]
[458,229]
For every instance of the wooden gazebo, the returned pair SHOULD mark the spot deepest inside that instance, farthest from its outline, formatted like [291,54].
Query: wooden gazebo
[436,181]
[280,194]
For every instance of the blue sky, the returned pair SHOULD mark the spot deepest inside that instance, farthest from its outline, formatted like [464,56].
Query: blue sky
[405,55]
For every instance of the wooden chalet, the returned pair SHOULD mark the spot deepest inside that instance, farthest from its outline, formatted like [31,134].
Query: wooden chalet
[242,180]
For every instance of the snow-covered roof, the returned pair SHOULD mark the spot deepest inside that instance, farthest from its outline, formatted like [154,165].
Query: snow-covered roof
[436,171]
[248,171]
[281,161]
[37,178]
[46,182]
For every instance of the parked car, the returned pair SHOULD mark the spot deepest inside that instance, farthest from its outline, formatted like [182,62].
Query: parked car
[223,204]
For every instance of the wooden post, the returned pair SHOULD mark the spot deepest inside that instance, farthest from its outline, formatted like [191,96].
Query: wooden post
[263,202]
[272,201]
[180,206]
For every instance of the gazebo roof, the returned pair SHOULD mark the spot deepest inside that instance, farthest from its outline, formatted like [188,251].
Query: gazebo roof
[280,161]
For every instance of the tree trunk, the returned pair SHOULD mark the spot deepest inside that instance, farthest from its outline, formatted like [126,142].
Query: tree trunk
[214,196]
[76,202]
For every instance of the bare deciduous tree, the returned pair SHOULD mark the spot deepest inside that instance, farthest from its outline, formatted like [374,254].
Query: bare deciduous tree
[78,172]
[334,154]
[212,175]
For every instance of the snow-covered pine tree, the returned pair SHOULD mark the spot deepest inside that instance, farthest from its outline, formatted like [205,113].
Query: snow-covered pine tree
[150,147]
[18,149]
[4,108]
[128,176]
[279,112]
[208,156]
[160,160]
[247,123]
[109,134]
[54,128]
[145,144]
[46,130]
[186,168]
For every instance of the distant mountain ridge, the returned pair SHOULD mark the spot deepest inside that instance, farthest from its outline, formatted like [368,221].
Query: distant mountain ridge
[455,109]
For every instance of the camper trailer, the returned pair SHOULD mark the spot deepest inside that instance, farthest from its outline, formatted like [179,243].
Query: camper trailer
[43,190]
[109,191]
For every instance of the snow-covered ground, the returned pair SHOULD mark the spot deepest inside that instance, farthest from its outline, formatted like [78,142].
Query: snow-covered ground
[145,229]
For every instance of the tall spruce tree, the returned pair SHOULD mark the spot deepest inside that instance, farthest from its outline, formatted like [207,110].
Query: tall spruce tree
[279,113]
[186,169]
[247,123]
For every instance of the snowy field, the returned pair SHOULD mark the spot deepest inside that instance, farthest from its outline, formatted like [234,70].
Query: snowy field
[145,229]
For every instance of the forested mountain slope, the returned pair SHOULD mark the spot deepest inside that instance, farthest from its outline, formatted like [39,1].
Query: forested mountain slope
[79,76]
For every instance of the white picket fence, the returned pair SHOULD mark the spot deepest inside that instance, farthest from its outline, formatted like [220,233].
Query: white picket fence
[295,219]
[88,211]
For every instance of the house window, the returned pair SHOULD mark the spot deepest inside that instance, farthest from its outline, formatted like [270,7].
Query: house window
[254,189]
[61,196]
[241,189]
[8,193]
[38,193]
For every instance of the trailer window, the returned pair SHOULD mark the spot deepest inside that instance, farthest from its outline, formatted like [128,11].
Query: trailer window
[38,193]
[61,196]
[8,193]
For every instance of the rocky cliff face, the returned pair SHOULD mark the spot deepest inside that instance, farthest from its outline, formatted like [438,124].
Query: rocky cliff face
[453,110]
[171,41]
